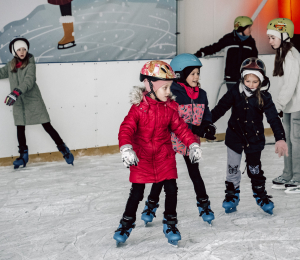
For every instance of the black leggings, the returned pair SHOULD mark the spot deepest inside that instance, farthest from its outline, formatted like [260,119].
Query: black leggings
[254,171]
[199,187]
[137,194]
[66,9]
[48,128]
[195,176]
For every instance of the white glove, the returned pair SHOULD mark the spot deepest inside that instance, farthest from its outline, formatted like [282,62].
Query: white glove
[195,153]
[129,157]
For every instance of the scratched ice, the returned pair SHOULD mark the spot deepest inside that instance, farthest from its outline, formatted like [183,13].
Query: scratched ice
[56,211]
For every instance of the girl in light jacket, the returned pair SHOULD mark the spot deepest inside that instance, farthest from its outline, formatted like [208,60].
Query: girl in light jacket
[146,147]
[287,70]
[28,105]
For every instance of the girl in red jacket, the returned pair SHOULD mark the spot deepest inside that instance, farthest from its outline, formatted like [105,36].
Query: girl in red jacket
[146,147]
[193,108]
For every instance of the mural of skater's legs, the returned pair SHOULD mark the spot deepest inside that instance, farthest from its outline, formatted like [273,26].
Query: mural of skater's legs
[67,21]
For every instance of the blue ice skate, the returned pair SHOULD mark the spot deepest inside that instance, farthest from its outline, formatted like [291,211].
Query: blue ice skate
[262,199]
[149,211]
[124,229]
[205,211]
[68,156]
[23,159]
[170,230]
[232,197]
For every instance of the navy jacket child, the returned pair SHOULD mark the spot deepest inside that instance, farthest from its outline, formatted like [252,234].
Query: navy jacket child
[249,100]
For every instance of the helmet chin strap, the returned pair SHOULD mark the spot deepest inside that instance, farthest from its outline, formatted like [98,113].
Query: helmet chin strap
[249,89]
[152,91]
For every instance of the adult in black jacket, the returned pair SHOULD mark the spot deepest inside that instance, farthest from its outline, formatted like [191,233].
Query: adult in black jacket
[249,99]
[239,45]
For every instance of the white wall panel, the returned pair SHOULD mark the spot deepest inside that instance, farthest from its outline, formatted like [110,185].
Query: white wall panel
[88,101]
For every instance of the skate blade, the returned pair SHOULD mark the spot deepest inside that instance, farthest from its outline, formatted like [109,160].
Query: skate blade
[230,210]
[145,224]
[173,243]
[292,190]
[278,187]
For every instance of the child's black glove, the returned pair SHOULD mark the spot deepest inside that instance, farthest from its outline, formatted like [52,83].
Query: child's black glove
[205,130]
[280,114]
[12,97]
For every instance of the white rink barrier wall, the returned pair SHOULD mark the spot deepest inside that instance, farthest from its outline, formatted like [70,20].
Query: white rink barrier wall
[88,101]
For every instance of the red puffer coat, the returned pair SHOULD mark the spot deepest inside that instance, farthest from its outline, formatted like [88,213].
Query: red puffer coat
[147,128]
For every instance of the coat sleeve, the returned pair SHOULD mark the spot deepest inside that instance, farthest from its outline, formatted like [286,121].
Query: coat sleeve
[273,118]
[224,104]
[207,116]
[29,80]
[128,127]
[254,50]
[4,72]
[212,49]
[181,129]
[290,78]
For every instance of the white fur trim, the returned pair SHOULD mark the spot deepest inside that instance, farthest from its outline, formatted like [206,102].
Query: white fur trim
[255,72]
[19,44]
[278,34]
[136,95]
[67,19]
[73,34]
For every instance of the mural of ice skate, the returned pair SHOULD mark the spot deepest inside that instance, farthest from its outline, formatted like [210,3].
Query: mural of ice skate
[104,31]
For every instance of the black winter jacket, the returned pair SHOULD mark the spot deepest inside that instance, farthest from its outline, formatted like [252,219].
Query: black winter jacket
[245,127]
[235,53]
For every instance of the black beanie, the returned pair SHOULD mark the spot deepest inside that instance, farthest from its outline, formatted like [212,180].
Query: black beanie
[186,72]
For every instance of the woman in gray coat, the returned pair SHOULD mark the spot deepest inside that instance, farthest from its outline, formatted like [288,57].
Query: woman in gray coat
[28,105]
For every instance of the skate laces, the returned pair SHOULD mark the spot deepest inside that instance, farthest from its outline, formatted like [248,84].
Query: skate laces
[151,207]
[125,229]
[230,195]
[205,208]
[171,224]
[263,198]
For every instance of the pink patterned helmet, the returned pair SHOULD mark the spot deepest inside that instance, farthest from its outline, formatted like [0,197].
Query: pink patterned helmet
[157,70]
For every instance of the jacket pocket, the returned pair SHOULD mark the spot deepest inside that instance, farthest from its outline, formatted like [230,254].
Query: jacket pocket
[296,128]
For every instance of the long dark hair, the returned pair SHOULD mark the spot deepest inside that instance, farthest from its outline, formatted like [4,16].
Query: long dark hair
[15,60]
[280,57]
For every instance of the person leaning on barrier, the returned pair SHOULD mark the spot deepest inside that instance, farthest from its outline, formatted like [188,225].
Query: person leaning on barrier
[239,45]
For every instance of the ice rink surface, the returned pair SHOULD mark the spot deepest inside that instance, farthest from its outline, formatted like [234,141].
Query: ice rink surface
[56,211]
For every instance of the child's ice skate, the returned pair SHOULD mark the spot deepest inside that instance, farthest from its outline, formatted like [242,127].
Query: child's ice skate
[205,211]
[232,197]
[262,199]
[23,159]
[68,156]
[149,211]
[170,230]
[124,229]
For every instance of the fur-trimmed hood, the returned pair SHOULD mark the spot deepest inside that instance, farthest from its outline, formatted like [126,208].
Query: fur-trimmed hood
[138,93]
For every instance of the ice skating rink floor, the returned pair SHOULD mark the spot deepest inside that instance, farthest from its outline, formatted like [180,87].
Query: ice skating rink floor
[56,211]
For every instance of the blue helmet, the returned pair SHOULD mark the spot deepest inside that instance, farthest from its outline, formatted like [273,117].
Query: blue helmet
[183,64]
[181,61]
